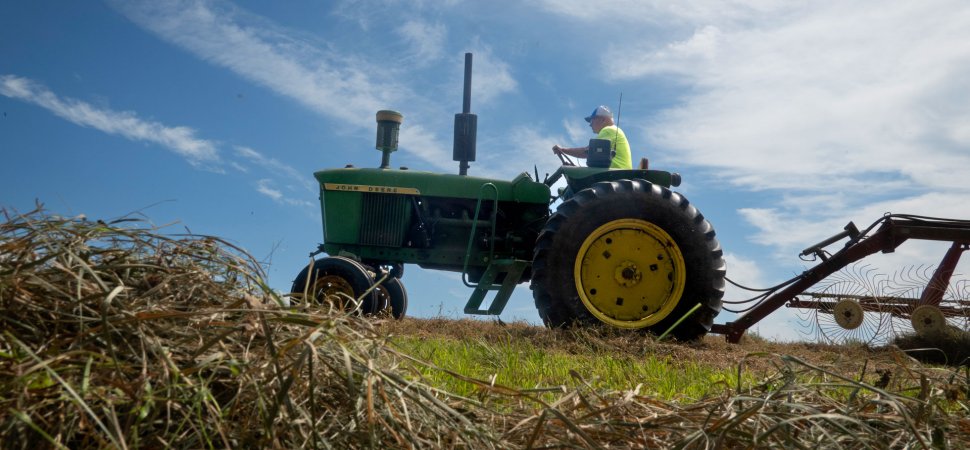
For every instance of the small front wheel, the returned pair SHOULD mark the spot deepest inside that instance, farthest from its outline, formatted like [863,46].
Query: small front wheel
[338,281]
[394,296]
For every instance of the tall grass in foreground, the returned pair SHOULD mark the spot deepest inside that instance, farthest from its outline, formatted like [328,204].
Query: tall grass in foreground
[116,336]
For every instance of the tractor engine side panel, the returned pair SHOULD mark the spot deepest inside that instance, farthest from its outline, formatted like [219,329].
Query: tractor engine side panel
[433,232]
[428,219]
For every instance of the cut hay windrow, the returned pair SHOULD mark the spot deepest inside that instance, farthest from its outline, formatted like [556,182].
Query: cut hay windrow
[117,335]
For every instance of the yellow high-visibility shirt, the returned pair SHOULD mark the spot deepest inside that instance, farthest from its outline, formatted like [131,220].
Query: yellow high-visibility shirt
[622,159]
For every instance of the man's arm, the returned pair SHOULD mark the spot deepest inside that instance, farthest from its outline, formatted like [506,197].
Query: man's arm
[576,152]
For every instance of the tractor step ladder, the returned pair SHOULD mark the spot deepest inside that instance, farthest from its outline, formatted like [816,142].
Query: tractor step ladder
[513,269]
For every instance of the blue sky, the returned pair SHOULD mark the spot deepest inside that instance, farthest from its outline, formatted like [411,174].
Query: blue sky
[786,119]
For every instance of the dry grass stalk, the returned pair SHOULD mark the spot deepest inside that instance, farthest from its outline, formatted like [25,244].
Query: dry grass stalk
[116,336]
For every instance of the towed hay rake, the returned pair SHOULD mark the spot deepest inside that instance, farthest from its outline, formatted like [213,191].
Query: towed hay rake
[856,303]
[862,305]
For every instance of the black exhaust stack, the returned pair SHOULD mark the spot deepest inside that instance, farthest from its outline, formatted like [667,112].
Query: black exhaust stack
[466,124]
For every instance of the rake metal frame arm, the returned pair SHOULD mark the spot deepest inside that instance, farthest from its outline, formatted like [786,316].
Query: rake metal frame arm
[891,234]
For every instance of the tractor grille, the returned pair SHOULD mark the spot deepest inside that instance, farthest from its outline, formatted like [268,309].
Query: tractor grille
[384,219]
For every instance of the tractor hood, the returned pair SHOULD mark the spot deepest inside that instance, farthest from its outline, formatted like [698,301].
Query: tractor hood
[521,189]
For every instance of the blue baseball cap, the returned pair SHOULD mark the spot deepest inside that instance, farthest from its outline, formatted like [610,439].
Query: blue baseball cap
[600,111]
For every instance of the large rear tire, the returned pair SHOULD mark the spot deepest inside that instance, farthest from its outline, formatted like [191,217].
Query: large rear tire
[336,280]
[630,254]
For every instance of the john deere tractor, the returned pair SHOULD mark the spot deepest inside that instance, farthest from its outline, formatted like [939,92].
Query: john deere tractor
[621,248]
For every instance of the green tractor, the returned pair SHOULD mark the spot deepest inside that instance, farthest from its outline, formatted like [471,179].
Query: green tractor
[621,248]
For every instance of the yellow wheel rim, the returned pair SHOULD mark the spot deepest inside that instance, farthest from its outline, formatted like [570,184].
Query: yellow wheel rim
[630,273]
[335,289]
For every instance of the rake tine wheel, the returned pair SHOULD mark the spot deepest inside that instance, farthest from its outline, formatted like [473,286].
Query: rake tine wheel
[846,308]
[909,313]
[961,301]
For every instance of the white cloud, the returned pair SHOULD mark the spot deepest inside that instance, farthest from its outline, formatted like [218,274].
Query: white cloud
[492,76]
[427,41]
[744,272]
[578,132]
[239,167]
[676,57]
[264,187]
[803,220]
[529,147]
[181,140]
[832,97]
[789,96]
[328,83]
[346,87]
[365,12]
[268,188]
[637,15]
[278,168]
[427,146]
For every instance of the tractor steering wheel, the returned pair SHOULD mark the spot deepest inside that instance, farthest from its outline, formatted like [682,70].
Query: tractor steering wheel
[566,161]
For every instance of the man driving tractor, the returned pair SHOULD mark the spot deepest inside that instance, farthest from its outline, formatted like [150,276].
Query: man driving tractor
[601,121]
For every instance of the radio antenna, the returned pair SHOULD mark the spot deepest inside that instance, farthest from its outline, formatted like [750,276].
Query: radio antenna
[616,131]
[619,108]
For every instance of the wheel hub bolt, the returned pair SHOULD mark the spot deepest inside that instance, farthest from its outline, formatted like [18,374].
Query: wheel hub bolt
[627,274]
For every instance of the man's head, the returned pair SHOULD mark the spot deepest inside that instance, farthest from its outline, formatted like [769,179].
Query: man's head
[601,117]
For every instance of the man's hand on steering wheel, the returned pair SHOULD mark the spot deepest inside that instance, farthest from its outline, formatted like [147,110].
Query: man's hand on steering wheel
[566,161]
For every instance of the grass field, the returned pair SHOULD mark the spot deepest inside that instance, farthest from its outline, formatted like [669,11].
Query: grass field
[524,357]
[117,336]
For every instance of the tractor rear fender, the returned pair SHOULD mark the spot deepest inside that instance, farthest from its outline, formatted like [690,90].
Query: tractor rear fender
[579,178]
